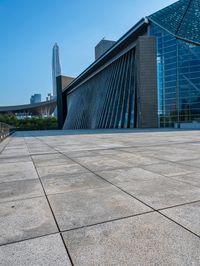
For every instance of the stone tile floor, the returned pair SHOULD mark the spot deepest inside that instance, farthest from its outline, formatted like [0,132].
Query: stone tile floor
[101,197]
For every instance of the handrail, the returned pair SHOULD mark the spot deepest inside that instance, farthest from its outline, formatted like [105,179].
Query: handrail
[5,130]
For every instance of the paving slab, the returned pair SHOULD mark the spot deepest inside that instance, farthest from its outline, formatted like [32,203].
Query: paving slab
[170,169]
[14,159]
[75,209]
[60,170]
[80,153]
[148,239]
[158,167]
[193,163]
[25,219]
[43,251]
[20,189]
[155,190]
[50,159]
[192,178]
[17,171]
[72,182]
[98,163]
[128,177]
[170,154]
[136,159]
[15,152]
[186,215]
[40,150]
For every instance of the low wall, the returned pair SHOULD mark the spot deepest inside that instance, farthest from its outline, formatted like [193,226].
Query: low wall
[194,125]
[5,130]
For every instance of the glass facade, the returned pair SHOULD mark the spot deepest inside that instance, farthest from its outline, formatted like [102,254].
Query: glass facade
[182,19]
[178,66]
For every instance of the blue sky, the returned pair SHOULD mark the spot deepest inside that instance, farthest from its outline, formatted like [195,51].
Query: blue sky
[29,28]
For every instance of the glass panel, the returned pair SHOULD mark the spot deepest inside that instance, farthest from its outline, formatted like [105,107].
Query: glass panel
[178,67]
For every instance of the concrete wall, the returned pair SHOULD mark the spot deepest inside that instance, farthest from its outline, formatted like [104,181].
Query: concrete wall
[66,81]
[102,47]
[61,83]
[147,106]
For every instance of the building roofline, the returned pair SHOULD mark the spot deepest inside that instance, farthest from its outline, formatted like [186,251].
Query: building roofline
[25,106]
[163,19]
[175,35]
[114,49]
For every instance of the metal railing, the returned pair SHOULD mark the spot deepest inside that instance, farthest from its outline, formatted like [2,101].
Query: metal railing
[5,130]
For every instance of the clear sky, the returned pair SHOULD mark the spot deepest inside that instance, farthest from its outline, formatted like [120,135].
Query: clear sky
[29,29]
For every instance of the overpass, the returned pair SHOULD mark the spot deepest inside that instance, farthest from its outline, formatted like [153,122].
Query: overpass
[38,109]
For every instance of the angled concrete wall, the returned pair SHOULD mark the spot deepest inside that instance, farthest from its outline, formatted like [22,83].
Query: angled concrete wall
[147,104]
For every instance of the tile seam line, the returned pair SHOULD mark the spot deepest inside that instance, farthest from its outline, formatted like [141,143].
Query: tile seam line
[178,205]
[128,217]
[174,178]
[22,199]
[190,231]
[133,196]
[27,239]
[96,188]
[13,157]
[140,165]
[168,143]
[105,180]
[153,156]
[173,162]
[55,220]
[32,179]
[86,171]
[180,163]
[108,221]
[91,225]
[153,209]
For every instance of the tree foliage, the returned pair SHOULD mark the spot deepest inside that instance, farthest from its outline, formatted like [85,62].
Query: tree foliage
[34,123]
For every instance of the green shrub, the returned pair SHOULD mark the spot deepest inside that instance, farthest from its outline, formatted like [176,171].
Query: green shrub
[34,123]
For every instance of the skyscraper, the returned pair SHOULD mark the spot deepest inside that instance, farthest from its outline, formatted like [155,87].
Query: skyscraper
[36,98]
[56,68]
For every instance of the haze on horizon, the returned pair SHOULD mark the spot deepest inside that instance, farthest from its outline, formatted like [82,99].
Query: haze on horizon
[29,30]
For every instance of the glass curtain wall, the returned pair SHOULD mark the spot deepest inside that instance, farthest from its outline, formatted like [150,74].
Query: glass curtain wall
[178,66]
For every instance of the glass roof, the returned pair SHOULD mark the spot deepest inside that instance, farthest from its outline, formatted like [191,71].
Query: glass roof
[181,19]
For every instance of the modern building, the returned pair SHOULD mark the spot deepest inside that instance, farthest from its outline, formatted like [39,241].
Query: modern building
[102,47]
[36,98]
[56,67]
[49,97]
[150,77]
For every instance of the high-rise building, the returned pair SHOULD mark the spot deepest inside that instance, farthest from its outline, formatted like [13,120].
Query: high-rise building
[56,68]
[36,98]
[49,97]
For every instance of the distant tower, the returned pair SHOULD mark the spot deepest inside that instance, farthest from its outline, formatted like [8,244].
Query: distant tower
[56,68]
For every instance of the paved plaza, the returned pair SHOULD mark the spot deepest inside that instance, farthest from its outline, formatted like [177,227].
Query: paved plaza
[100,198]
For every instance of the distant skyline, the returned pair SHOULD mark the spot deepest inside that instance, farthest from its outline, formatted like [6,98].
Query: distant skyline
[30,28]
